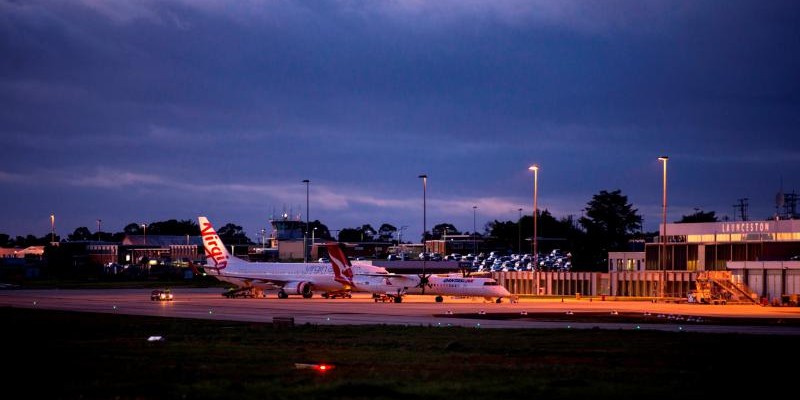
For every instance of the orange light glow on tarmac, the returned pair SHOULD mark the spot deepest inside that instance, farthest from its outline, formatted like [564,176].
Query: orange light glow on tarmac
[418,310]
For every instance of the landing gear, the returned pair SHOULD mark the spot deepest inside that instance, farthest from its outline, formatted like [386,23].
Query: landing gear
[307,295]
[499,300]
[439,299]
[282,295]
[398,299]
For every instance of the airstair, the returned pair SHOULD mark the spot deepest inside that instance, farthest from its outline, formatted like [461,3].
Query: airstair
[723,289]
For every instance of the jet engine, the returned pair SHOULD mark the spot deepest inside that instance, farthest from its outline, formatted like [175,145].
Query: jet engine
[303,288]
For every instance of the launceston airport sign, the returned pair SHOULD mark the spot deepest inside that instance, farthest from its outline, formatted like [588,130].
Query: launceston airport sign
[736,227]
[746,227]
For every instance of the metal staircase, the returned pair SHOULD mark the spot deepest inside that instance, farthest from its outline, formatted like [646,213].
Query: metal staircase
[726,288]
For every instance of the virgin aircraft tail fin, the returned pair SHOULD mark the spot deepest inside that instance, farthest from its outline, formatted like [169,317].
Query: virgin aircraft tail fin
[217,257]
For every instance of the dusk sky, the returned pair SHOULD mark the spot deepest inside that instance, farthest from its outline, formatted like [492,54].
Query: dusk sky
[142,111]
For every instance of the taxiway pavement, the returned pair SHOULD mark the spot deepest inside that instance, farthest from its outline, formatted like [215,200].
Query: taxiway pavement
[414,310]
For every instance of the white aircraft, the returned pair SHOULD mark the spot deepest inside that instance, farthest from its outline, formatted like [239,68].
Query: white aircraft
[305,278]
[288,278]
[376,280]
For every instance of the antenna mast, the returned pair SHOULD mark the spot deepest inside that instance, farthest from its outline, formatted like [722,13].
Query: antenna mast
[741,206]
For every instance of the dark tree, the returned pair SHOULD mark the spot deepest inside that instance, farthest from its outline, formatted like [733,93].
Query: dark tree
[368,233]
[321,232]
[350,235]
[5,240]
[132,229]
[105,236]
[444,229]
[174,227]
[699,216]
[30,240]
[118,237]
[610,222]
[552,232]
[506,233]
[80,234]
[233,234]
[386,232]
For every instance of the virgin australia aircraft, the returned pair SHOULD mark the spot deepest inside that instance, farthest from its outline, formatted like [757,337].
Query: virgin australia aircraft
[288,278]
[305,278]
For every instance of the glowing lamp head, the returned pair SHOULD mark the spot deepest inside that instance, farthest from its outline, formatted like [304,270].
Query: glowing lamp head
[534,167]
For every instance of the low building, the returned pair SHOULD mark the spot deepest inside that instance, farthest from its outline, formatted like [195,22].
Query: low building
[626,261]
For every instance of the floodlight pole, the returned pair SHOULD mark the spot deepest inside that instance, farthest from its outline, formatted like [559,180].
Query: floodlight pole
[535,169]
[474,239]
[424,218]
[305,236]
[663,256]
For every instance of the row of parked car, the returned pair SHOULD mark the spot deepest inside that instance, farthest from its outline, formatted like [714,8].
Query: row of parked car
[497,262]
[554,261]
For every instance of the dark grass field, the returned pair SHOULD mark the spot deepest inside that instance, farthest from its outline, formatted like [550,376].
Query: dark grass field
[51,354]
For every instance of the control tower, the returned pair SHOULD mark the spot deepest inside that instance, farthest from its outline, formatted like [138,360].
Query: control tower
[287,229]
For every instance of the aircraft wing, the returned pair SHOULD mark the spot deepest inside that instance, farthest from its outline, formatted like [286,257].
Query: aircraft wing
[391,275]
[265,283]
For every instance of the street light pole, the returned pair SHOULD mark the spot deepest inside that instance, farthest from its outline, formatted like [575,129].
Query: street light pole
[52,228]
[305,236]
[663,256]
[98,228]
[535,169]
[474,240]
[424,218]
[313,234]
[144,228]
[519,232]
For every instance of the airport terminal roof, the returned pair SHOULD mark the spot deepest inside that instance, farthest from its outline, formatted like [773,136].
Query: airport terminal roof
[160,240]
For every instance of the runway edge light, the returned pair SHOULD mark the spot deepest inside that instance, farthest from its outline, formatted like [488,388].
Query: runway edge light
[322,368]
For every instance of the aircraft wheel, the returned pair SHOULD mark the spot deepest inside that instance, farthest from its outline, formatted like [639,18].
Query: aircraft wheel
[439,299]
[282,295]
[499,300]
[308,295]
[398,299]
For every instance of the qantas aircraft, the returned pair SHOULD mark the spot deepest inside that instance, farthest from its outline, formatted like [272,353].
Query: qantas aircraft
[376,280]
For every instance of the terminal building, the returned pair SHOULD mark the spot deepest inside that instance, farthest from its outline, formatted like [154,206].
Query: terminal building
[740,261]
[764,256]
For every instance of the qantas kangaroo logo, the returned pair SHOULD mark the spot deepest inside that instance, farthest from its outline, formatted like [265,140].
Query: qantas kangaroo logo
[213,246]
[341,268]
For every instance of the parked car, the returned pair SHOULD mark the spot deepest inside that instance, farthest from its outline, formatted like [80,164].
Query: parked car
[161,295]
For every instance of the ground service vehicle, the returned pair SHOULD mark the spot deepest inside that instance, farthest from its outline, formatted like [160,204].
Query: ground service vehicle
[337,294]
[161,295]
